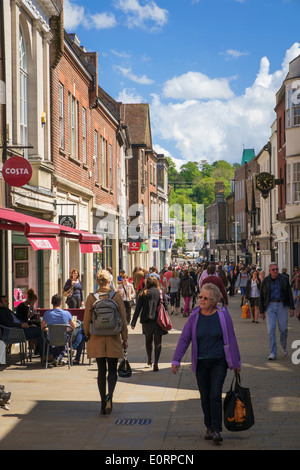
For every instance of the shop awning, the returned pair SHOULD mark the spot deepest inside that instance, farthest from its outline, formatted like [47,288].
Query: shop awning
[42,235]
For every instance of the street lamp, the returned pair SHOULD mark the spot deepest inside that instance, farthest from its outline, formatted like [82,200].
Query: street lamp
[236,223]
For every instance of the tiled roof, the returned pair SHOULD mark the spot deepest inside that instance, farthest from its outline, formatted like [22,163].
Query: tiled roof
[137,117]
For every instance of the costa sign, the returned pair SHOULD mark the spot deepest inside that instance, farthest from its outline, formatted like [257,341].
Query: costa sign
[17,171]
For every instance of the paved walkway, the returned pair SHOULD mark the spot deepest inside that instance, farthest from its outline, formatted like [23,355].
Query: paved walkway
[59,408]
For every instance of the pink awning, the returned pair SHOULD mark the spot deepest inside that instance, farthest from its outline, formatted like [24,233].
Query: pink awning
[43,243]
[42,235]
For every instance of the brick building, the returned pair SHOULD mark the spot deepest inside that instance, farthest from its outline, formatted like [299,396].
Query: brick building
[25,130]
[216,218]
[88,152]
[146,201]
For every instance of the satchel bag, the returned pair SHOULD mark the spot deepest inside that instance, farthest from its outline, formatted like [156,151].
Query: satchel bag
[124,369]
[68,293]
[163,318]
[238,411]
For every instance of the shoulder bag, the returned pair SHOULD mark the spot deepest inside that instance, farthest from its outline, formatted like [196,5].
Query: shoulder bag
[238,411]
[163,318]
[68,293]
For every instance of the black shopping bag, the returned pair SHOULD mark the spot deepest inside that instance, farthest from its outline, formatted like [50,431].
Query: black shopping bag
[124,369]
[238,411]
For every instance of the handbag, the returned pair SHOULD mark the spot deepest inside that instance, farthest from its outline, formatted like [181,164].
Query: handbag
[163,318]
[246,311]
[68,293]
[124,369]
[237,407]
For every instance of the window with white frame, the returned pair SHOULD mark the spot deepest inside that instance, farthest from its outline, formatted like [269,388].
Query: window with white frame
[296,182]
[104,163]
[110,167]
[23,73]
[73,123]
[292,111]
[84,135]
[293,183]
[61,116]
[96,156]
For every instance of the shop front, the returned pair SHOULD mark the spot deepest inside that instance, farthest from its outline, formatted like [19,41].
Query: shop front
[32,249]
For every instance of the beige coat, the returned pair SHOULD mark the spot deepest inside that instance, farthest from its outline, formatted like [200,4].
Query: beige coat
[105,346]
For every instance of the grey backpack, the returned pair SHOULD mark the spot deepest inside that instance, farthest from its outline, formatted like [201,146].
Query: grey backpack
[105,317]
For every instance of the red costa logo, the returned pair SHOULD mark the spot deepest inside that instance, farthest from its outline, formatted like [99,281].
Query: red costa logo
[17,171]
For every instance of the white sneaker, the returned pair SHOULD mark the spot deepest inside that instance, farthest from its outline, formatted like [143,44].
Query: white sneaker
[285,352]
[271,357]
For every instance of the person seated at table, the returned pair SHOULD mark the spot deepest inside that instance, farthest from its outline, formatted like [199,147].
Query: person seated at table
[25,310]
[58,316]
[9,319]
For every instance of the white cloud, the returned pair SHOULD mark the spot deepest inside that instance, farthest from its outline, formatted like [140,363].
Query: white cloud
[129,95]
[138,15]
[217,129]
[75,15]
[233,54]
[196,85]
[149,15]
[127,73]
[103,21]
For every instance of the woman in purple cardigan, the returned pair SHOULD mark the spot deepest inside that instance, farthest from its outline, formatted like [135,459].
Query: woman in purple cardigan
[214,350]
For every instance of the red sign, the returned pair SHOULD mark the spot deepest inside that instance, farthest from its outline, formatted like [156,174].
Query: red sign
[90,248]
[39,243]
[134,246]
[17,171]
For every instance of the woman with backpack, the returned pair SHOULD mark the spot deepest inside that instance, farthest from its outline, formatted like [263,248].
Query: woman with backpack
[106,349]
[148,301]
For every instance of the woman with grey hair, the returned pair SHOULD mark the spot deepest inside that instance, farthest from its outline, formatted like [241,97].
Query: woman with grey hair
[209,328]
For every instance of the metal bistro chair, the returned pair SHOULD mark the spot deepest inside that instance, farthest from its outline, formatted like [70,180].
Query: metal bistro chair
[15,336]
[58,335]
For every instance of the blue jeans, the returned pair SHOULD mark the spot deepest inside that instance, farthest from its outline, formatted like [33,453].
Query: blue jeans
[276,311]
[296,292]
[210,375]
[77,343]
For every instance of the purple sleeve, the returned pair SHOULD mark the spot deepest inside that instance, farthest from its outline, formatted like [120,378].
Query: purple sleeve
[183,343]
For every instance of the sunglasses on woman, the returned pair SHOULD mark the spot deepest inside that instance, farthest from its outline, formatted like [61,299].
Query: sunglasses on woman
[204,298]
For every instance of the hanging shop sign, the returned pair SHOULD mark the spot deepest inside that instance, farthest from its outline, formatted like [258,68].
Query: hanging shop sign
[17,171]
[67,220]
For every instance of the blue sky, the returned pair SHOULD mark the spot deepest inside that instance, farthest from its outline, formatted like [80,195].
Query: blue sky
[209,69]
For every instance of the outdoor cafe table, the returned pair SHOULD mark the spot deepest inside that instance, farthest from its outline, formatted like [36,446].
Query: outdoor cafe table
[75,312]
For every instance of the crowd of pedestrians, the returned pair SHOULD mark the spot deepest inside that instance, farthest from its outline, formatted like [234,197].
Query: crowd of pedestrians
[198,292]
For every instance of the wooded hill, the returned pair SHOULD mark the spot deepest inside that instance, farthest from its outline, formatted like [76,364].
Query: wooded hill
[194,183]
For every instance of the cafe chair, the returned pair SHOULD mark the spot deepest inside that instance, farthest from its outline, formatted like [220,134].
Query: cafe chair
[15,336]
[58,335]
[84,352]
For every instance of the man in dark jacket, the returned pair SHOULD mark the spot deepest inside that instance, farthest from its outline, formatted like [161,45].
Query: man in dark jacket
[275,299]
[8,319]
